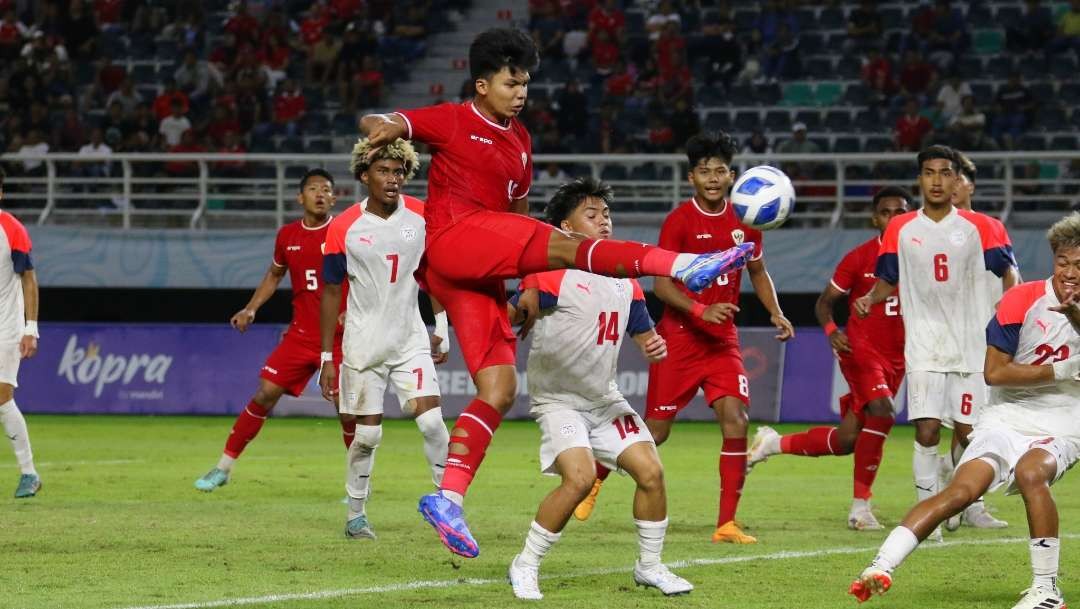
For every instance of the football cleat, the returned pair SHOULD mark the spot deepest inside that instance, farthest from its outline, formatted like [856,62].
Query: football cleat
[862,519]
[29,485]
[935,535]
[358,528]
[448,520]
[212,480]
[872,581]
[953,522]
[585,508]
[1041,598]
[729,532]
[759,448]
[704,269]
[524,580]
[660,577]
[976,515]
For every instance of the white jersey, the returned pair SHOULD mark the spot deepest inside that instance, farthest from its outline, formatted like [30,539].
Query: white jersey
[14,260]
[576,340]
[939,266]
[991,283]
[1025,329]
[382,320]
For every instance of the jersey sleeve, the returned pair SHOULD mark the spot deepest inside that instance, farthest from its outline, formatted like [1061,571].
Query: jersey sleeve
[888,260]
[434,125]
[1003,331]
[997,250]
[19,240]
[335,264]
[671,233]
[755,237]
[639,321]
[548,284]
[846,272]
[279,249]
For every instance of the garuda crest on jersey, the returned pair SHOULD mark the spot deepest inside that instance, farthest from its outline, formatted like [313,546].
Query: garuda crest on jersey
[738,236]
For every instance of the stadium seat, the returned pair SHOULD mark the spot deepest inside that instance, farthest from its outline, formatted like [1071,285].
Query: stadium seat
[747,120]
[846,144]
[1033,141]
[1070,91]
[988,42]
[744,20]
[768,94]
[1063,67]
[741,95]
[143,73]
[643,172]
[970,67]
[807,19]
[319,145]
[982,92]
[295,172]
[710,96]
[811,43]
[810,118]
[1051,118]
[849,67]
[798,94]
[293,145]
[635,22]
[613,173]
[857,94]
[892,17]
[832,18]
[1008,14]
[878,144]
[316,122]
[718,121]
[344,122]
[998,68]
[1063,142]
[838,120]
[867,121]
[979,16]
[166,49]
[777,120]
[828,93]
[818,68]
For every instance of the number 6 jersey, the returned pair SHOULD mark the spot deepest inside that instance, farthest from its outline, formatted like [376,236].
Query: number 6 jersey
[382,320]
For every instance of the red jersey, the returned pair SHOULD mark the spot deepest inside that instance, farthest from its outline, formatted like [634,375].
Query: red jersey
[476,164]
[693,230]
[300,249]
[883,328]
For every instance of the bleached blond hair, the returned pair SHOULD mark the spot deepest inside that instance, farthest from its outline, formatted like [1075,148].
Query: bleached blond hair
[1065,233]
[398,150]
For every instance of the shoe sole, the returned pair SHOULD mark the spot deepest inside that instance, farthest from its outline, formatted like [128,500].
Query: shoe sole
[449,536]
[638,582]
[32,493]
[360,535]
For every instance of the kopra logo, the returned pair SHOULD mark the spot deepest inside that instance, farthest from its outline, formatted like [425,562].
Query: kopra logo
[90,366]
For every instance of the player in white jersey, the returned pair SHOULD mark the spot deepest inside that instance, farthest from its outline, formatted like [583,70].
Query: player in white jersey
[937,254]
[377,244]
[18,338]
[574,398]
[1028,435]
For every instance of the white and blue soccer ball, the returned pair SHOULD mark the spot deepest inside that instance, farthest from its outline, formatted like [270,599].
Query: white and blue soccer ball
[763,197]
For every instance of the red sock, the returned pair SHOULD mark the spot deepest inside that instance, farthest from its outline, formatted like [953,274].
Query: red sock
[479,421]
[623,258]
[813,442]
[245,428]
[869,446]
[602,472]
[348,432]
[732,475]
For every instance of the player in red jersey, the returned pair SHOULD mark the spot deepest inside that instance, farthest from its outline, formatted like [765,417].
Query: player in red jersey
[871,354]
[704,343]
[481,168]
[298,252]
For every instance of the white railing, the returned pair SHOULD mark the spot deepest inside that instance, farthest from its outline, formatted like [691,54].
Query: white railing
[137,192]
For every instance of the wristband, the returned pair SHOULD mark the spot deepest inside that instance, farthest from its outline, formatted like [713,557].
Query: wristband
[697,309]
[1067,370]
[830,327]
[326,356]
[31,329]
[442,330]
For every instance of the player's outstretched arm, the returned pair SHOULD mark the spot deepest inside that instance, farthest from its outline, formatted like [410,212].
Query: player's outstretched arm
[718,313]
[28,343]
[823,310]
[882,289]
[766,293]
[1000,369]
[381,129]
[329,305]
[652,345]
[269,284]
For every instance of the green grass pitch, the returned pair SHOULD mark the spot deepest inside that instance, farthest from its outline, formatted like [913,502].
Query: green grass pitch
[118,524]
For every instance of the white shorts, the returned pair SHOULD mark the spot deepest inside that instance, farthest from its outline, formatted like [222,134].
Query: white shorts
[9,363]
[950,397]
[606,431]
[361,391]
[1002,447]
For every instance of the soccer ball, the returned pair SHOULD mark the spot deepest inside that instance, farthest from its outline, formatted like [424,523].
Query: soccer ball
[763,197]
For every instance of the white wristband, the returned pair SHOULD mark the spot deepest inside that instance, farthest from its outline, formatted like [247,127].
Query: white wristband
[442,330]
[1067,369]
[326,356]
[30,328]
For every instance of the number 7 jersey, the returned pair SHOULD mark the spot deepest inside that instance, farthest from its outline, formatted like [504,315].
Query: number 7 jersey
[379,257]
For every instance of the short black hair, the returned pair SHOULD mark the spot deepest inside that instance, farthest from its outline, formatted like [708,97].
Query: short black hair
[315,173]
[938,151]
[967,166]
[717,144]
[572,194]
[894,191]
[500,48]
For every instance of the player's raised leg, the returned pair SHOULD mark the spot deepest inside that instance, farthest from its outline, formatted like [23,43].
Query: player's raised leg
[247,425]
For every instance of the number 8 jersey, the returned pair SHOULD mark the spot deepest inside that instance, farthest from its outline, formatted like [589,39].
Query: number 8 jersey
[382,319]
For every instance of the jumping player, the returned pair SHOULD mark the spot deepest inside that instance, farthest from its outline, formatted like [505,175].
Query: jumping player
[377,244]
[575,400]
[704,351]
[298,252]
[871,355]
[1028,435]
[937,254]
[18,337]
[481,169]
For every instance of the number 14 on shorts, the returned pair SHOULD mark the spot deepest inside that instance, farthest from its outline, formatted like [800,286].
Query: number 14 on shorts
[626,426]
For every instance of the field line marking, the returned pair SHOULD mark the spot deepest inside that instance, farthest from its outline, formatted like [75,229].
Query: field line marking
[449,583]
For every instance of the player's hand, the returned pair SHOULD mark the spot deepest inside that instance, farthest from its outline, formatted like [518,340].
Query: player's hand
[438,356]
[381,130]
[328,382]
[655,349]
[1070,308]
[242,319]
[27,346]
[839,342]
[784,330]
[528,308]
[862,306]
[720,312]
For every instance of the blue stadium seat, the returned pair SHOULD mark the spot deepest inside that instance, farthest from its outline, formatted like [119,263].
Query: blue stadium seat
[710,96]
[744,20]
[867,121]
[345,122]
[878,143]
[776,120]
[643,172]
[857,94]
[295,172]
[811,43]
[892,17]
[1033,141]
[982,92]
[838,120]
[847,144]
[293,145]
[970,67]
[718,121]
[613,172]
[741,95]
[316,123]
[807,19]
[818,68]
[1008,14]
[1070,90]
[319,145]
[143,73]
[832,18]
[979,16]
[166,49]
[1051,118]
[747,120]
[1063,66]
[810,118]
[849,67]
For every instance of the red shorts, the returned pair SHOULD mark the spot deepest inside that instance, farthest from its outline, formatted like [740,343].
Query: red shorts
[870,376]
[294,362]
[464,268]
[714,366]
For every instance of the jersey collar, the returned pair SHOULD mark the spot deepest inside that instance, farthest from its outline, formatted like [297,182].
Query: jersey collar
[394,214]
[488,120]
[319,227]
[708,213]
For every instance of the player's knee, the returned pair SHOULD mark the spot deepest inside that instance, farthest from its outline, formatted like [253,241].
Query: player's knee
[367,437]
[349,419]
[879,408]
[1029,477]
[579,483]
[928,434]
[845,443]
[650,476]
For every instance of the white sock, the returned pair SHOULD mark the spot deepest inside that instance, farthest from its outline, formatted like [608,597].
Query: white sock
[360,460]
[681,262]
[1044,561]
[537,543]
[650,537]
[900,542]
[454,496]
[860,504]
[225,463]
[15,429]
[924,463]
[436,440]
